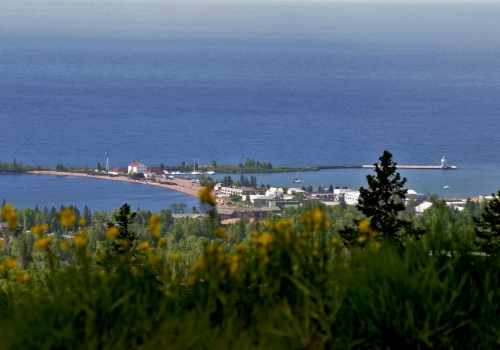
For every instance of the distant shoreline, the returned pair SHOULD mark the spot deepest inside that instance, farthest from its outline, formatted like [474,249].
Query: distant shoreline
[179,185]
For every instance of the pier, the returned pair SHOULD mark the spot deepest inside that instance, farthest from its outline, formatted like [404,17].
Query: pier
[437,167]
[423,167]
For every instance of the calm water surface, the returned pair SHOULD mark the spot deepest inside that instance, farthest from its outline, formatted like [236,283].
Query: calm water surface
[293,84]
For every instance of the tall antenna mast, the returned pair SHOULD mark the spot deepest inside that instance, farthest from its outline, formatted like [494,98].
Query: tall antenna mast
[107,162]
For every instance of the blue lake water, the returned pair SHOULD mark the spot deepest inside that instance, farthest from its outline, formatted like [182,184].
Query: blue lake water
[27,191]
[298,84]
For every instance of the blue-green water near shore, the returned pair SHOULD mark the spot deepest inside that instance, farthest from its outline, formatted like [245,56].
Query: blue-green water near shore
[28,190]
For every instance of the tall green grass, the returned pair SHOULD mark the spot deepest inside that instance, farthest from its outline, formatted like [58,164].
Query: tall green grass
[292,286]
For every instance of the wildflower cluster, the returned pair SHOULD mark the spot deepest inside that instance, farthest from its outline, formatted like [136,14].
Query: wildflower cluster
[66,217]
[205,195]
[219,267]
[8,264]
[154,226]
[367,234]
[10,215]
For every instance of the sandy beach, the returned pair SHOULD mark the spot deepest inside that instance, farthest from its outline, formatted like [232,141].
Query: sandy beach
[180,185]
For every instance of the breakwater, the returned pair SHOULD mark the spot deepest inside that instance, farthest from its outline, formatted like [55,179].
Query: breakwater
[423,167]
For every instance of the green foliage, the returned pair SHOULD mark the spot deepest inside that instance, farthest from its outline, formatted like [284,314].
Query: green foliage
[60,167]
[125,243]
[488,226]
[136,176]
[178,208]
[285,283]
[235,198]
[382,201]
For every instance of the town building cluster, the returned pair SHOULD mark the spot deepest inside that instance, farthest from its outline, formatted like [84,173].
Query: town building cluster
[275,199]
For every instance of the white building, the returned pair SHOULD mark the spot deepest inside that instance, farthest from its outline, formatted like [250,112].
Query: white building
[274,192]
[116,171]
[234,191]
[294,191]
[419,209]
[136,167]
[351,197]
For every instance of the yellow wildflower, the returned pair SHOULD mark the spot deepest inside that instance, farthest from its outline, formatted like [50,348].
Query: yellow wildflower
[101,256]
[220,232]
[241,248]
[10,215]
[166,276]
[153,259]
[101,273]
[145,246]
[125,243]
[80,239]
[268,224]
[319,217]
[162,242]
[205,195]
[211,249]
[82,222]
[134,271]
[66,217]
[1,243]
[9,263]
[361,238]
[23,276]
[42,243]
[364,226]
[201,264]
[306,217]
[265,239]
[284,224]
[112,233]
[154,225]
[64,245]
[191,280]
[336,242]
[175,257]
[39,229]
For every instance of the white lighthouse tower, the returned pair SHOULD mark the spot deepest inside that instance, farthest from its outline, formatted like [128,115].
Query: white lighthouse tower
[443,162]
[107,162]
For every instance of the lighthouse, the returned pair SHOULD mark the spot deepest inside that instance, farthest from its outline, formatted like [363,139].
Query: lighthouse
[443,162]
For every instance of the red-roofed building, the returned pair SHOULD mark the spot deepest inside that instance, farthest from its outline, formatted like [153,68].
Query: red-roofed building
[136,167]
[117,171]
[154,172]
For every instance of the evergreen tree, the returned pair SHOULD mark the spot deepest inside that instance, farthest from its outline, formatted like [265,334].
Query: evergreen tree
[124,243]
[488,226]
[383,200]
